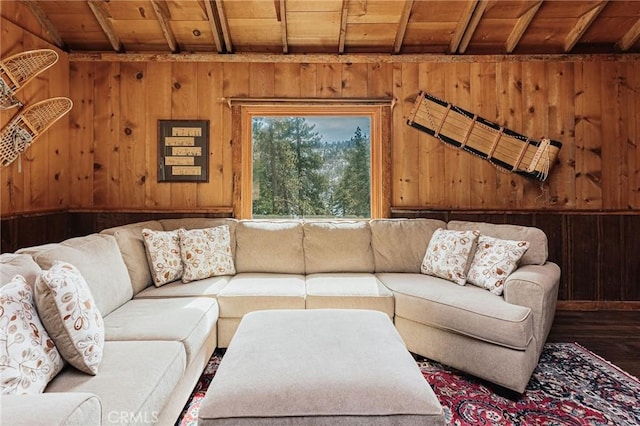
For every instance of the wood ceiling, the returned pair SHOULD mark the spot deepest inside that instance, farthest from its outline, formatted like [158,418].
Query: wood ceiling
[342,26]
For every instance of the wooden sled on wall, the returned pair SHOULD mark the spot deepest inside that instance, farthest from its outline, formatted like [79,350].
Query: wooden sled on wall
[28,125]
[19,69]
[504,148]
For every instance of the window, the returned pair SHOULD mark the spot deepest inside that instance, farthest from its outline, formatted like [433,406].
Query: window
[311,161]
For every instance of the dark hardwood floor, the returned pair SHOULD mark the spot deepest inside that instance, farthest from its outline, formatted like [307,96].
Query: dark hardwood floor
[614,335]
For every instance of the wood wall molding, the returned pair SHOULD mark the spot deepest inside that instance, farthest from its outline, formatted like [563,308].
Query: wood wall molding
[591,305]
[346,58]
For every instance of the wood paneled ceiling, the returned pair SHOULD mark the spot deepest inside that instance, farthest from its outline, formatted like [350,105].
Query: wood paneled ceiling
[342,26]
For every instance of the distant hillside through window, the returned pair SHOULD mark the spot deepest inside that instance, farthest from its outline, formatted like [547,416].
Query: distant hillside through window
[311,166]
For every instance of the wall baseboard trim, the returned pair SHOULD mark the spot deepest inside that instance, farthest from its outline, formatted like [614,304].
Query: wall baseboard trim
[593,305]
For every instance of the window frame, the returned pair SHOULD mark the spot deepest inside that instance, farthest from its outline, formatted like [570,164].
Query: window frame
[243,117]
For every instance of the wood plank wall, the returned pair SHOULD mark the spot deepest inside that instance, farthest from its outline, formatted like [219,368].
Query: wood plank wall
[39,180]
[592,107]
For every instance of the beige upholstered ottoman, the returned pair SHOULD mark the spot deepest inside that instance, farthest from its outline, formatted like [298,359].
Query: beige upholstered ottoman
[318,367]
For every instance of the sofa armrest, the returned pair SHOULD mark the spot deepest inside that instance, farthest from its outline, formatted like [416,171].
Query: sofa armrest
[51,409]
[536,287]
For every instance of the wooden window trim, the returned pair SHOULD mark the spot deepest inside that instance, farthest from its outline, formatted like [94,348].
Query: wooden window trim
[242,116]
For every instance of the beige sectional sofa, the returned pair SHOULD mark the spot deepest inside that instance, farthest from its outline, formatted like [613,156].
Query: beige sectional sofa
[158,339]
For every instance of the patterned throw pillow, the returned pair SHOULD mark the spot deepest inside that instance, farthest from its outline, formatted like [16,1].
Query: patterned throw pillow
[206,253]
[70,315]
[163,253]
[28,356]
[494,260]
[448,254]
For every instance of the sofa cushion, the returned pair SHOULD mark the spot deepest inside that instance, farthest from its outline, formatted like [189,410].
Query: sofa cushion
[98,259]
[348,291]
[399,245]
[338,246]
[248,292]
[493,261]
[449,255]
[135,382]
[131,243]
[163,254]
[201,223]
[12,264]
[269,246]
[205,253]
[467,310]
[208,287]
[69,313]
[68,409]
[188,320]
[28,356]
[538,250]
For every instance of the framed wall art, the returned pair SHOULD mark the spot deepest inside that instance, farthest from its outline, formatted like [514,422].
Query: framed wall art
[183,150]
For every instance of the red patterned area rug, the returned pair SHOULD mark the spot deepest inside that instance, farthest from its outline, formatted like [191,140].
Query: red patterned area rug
[570,386]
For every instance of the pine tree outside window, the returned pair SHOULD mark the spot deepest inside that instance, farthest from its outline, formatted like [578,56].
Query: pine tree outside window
[295,166]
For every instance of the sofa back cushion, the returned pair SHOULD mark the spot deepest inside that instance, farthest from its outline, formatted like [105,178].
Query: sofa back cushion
[536,254]
[337,246]
[269,246]
[131,244]
[12,264]
[399,245]
[98,259]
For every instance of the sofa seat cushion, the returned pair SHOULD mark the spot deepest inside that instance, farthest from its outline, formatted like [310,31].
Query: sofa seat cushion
[208,287]
[348,291]
[185,319]
[248,292]
[467,310]
[136,380]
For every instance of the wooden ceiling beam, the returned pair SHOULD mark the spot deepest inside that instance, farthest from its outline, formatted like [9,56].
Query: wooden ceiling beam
[630,38]
[583,25]
[224,25]
[283,25]
[45,22]
[481,7]
[214,23]
[402,25]
[164,16]
[323,58]
[463,22]
[102,15]
[521,26]
[343,26]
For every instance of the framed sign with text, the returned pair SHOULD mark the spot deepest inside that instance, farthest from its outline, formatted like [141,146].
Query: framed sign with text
[183,150]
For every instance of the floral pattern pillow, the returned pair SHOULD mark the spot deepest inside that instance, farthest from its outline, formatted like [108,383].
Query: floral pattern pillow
[494,261]
[448,254]
[28,356]
[163,253]
[206,253]
[70,315]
